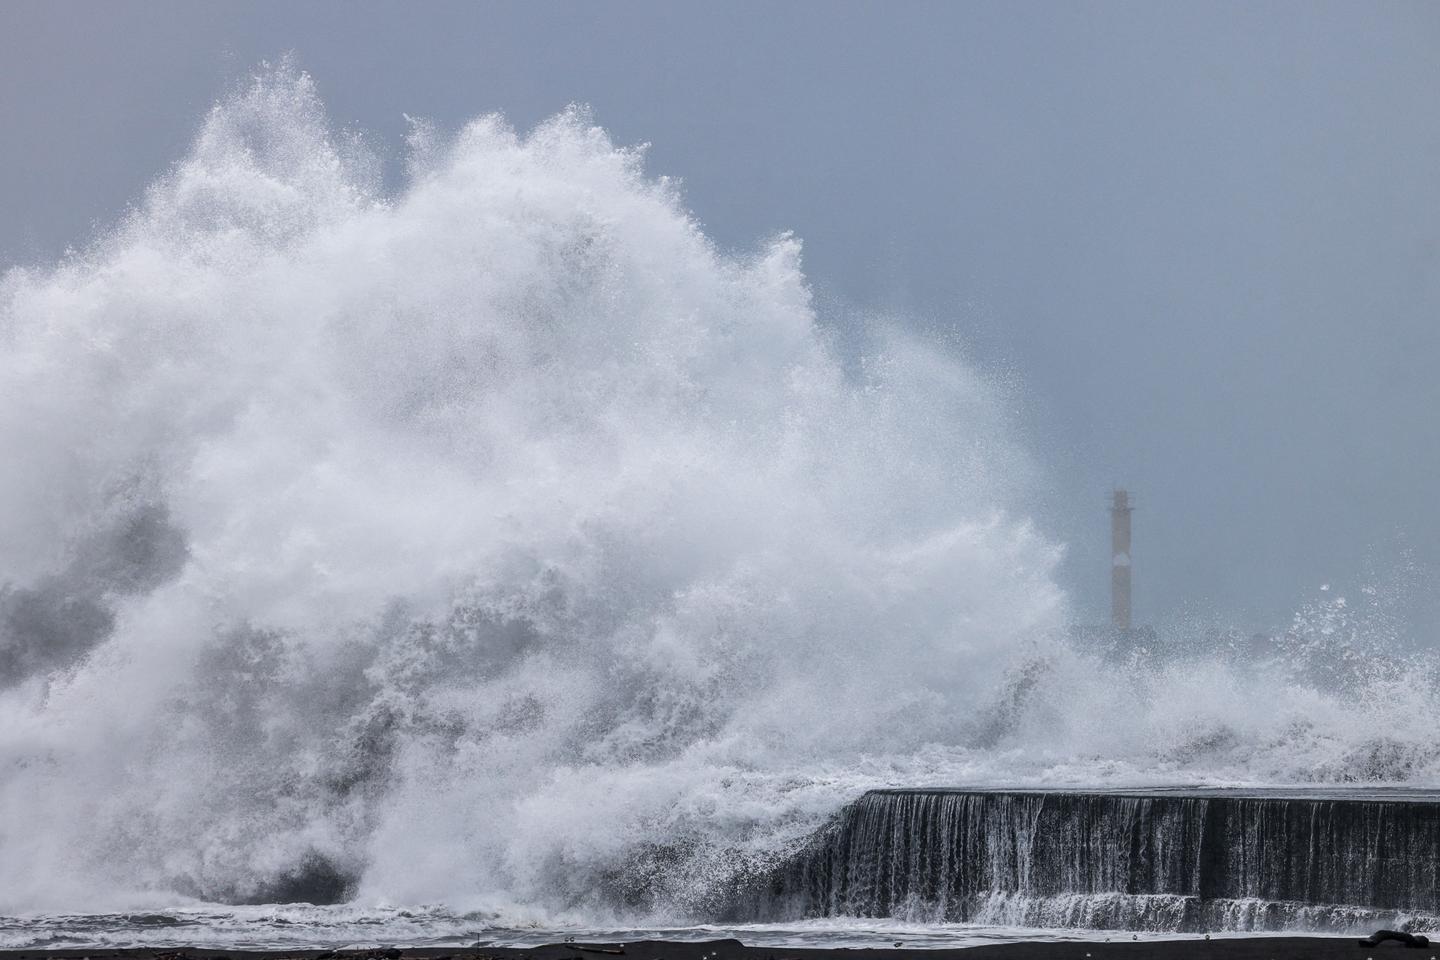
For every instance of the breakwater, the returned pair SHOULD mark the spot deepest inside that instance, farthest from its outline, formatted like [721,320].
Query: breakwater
[1184,860]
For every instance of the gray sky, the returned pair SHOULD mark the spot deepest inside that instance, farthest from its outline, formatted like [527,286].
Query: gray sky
[1204,237]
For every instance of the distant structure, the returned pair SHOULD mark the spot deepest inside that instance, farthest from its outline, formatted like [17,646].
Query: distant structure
[1120,639]
[1120,510]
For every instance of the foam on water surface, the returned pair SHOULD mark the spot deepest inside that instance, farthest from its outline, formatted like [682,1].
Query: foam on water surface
[301,927]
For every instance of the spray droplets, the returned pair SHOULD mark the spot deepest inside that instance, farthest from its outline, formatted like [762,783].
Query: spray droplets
[508,476]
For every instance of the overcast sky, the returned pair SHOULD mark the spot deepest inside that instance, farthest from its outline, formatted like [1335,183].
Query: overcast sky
[1205,238]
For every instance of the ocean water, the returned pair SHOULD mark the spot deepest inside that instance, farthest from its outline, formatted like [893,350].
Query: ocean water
[498,546]
[309,927]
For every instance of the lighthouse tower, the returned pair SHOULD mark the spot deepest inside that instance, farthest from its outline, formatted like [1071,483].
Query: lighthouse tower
[1120,560]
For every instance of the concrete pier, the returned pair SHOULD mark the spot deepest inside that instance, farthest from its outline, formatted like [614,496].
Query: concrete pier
[1168,859]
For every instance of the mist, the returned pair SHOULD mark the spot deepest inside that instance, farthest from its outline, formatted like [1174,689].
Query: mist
[1200,245]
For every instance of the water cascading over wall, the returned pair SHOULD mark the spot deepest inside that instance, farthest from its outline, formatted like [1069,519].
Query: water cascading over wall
[1174,860]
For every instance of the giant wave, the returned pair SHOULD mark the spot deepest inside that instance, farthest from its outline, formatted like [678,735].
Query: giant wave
[499,541]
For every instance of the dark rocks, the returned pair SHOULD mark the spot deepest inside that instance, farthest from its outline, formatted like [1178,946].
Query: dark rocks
[315,879]
[1406,939]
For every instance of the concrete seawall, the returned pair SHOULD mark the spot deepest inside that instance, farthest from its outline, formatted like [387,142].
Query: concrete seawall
[1173,859]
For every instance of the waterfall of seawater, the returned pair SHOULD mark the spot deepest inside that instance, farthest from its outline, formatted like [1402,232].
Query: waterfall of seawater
[498,542]
[1165,861]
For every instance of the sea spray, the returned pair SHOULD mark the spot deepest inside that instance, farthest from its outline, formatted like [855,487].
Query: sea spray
[498,541]
[504,531]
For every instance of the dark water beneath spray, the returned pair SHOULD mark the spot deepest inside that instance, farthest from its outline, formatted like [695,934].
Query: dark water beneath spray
[309,928]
